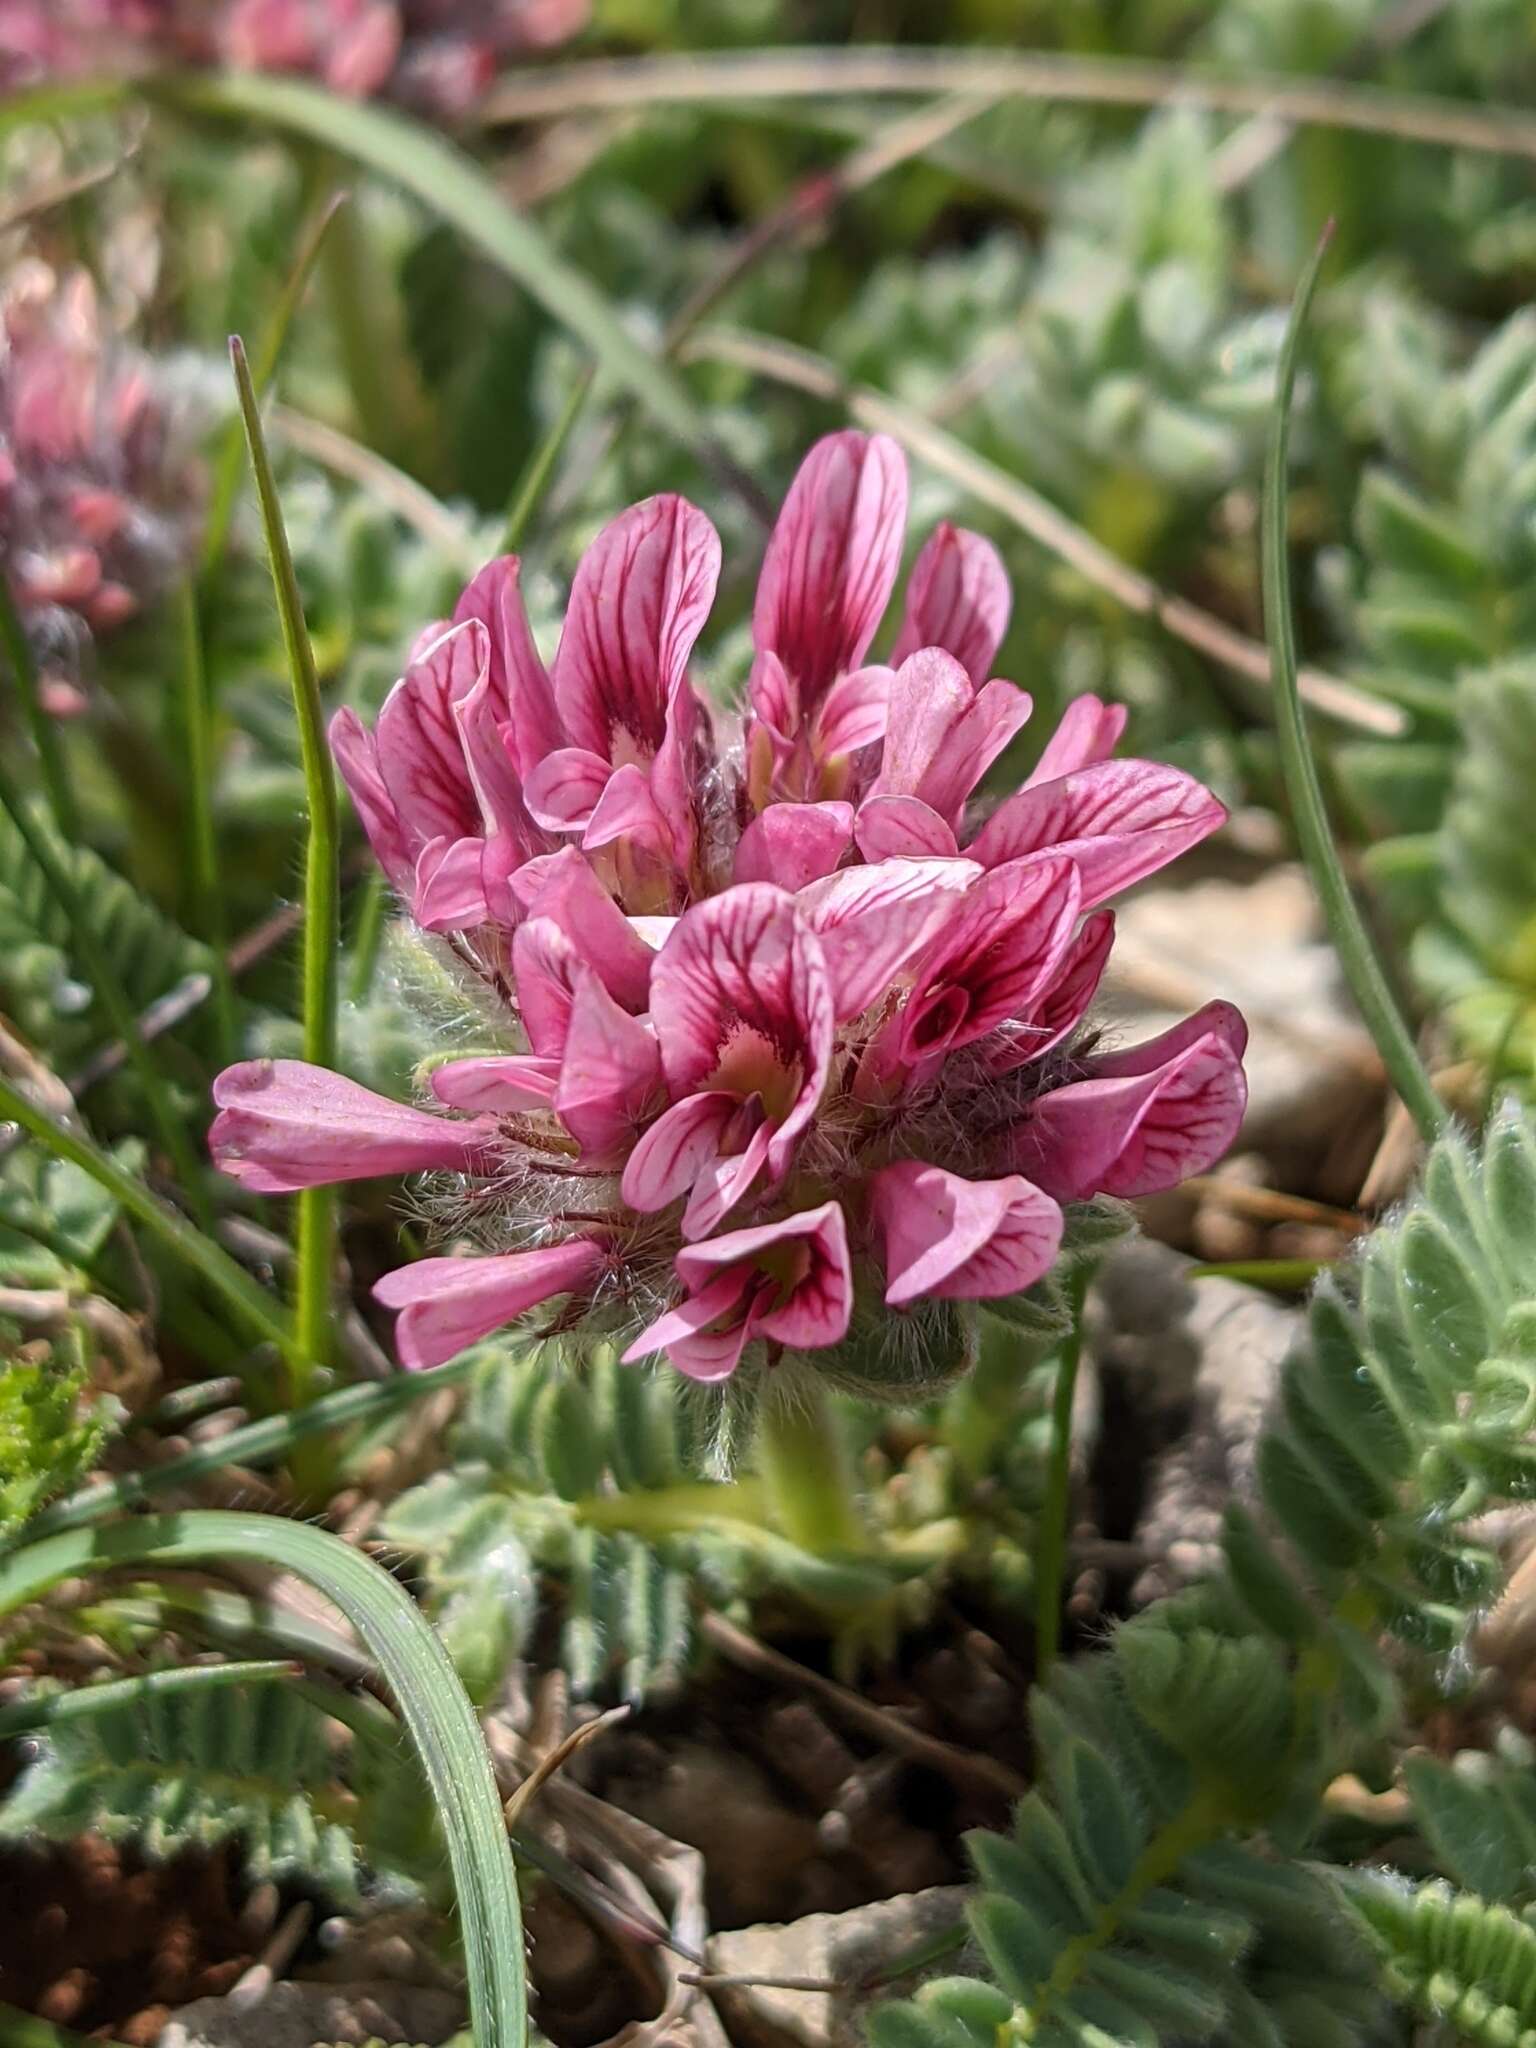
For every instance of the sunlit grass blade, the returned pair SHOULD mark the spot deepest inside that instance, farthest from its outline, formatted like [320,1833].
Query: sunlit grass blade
[193,1247]
[454,188]
[269,351]
[315,1209]
[1346,927]
[432,1703]
[202,838]
[255,1444]
[41,730]
[535,479]
[52,863]
[29,1716]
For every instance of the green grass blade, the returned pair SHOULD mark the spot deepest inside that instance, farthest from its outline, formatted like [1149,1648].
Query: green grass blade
[535,479]
[432,1703]
[315,1208]
[182,1239]
[254,1443]
[451,185]
[41,729]
[28,1716]
[1346,927]
[106,983]
[269,351]
[202,834]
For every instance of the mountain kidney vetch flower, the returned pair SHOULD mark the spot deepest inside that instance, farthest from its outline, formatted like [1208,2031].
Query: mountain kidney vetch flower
[791,1052]
[100,490]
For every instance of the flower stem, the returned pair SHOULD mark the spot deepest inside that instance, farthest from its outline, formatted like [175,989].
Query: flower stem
[1051,1550]
[315,1233]
[803,1456]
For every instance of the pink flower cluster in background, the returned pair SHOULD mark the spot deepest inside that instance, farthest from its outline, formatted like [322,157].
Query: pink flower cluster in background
[784,1026]
[436,55]
[99,499]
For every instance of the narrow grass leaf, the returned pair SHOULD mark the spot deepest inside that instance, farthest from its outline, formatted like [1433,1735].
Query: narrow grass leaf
[1346,927]
[432,1703]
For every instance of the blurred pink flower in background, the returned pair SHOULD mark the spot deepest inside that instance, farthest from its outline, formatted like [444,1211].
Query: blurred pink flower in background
[100,498]
[438,56]
[790,1049]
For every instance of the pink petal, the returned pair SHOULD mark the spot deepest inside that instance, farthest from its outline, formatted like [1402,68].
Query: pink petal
[487,740]
[499,1084]
[448,1304]
[284,1124]
[957,599]
[872,921]
[821,1307]
[1119,820]
[418,744]
[929,694]
[793,844]
[1222,1020]
[724,1181]
[961,1240]
[610,1076]
[571,894]
[994,958]
[672,1154]
[972,744]
[1089,731]
[820,1303]
[677,771]
[627,812]
[353,749]
[893,827]
[448,893]
[520,687]
[832,561]
[742,985]
[641,595]
[565,789]
[684,1332]
[545,970]
[1142,1129]
[1061,1007]
[853,713]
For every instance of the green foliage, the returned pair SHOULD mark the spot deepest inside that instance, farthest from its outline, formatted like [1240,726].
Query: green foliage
[1441,609]
[192,1769]
[1152,1889]
[49,1435]
[1476,955]
[576,1475]
[41,982]
[1454,1958]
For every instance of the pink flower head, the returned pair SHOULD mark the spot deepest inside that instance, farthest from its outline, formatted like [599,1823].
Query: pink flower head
[438,56]
[753,1055]
[99,499]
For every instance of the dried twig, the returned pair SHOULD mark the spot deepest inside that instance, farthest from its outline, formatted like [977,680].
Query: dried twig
[565,89]
[519,1802]
[956,1764]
